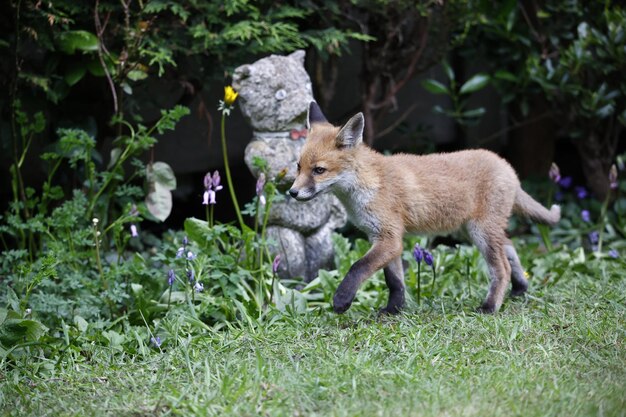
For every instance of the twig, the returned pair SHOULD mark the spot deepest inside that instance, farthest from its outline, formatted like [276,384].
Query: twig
[99,33]
[514,126]
[395,124]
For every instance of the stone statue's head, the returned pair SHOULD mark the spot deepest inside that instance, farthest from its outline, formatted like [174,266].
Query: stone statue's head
[274,92]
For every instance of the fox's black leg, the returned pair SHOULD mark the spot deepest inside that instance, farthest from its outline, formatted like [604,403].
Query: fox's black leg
[518,280]
[379,256]
[394,277]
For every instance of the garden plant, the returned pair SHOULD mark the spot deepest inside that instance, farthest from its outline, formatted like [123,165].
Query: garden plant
[105,311]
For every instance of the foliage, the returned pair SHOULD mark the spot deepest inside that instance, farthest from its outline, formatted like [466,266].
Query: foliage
[568,54]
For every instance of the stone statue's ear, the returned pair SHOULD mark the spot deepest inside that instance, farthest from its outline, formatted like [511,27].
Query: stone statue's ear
[315,115]
[242,72]
[298,56]
[351,134]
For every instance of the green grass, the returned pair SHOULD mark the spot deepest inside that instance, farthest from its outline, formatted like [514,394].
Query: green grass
[559,352]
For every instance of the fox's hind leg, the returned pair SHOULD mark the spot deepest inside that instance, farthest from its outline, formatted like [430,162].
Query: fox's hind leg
[490,242]
[518,278]
[394,277]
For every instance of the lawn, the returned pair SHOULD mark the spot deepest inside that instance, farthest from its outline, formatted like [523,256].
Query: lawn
[560,351]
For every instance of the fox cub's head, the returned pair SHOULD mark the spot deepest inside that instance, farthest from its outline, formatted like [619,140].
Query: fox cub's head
[327,156]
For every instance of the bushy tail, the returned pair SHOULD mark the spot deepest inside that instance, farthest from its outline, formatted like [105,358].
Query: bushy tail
[526,206]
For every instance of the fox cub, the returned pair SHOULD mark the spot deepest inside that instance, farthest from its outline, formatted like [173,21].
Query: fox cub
[387,196]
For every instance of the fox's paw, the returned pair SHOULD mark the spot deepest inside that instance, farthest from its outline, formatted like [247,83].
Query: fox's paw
[486,308]
[389,310]
[341,303]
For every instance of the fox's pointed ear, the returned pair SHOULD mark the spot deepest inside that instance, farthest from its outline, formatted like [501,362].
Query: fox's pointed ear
[315,115]
[351,134]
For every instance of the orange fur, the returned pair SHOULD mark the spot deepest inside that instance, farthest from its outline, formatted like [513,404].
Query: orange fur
[387,196]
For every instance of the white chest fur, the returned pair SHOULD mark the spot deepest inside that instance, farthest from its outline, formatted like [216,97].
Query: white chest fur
[357,199]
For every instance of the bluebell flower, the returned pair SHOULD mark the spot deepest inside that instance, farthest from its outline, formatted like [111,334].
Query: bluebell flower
[156,341]
[191,276]
[199,287]
[275,264]
[190,255]
[428,258]
[613,253]
[585,216]
[133,231]
[180,252]
[171,276]
[594,237]
[565,182]
[554,173]
[581,192]
[613,178]
[418,255]
[185,241]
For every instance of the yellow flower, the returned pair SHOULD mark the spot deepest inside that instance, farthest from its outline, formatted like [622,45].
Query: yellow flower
[230,95]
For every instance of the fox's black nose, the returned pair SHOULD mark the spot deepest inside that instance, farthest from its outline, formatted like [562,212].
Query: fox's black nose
[293,193]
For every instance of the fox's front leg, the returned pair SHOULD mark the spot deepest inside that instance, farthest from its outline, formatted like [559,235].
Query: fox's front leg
[379,256]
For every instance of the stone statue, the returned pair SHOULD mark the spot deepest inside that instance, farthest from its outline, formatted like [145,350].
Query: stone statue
[274,97]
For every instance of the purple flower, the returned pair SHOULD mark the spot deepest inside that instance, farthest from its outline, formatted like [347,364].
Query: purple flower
[199,287]
[581,192]
[275,264]
[554,173]
[170,277]
[191,276]
[208,181]
[594,237]
[428,258]
[190,255]
[185,241]
[216,181]
[133,231]
[613,253]
[260,186]
[180,252]
[613,178]
[418,254]
[565,182]
[585,216]
[558,196]
[211,185]
[156,341]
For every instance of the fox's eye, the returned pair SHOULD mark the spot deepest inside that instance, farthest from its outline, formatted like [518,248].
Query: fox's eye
[319,170]
[298,165]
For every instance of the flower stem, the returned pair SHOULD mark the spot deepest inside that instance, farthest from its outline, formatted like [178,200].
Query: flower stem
[229,180]
[602,224]
[419,283]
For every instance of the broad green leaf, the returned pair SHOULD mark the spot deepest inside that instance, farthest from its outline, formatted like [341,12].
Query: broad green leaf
[448,69]
[136,75]
[81,324]
[197,230]
[477,82]
[474,112]
[505,75]
[162,173]
[14,302]
[435,87]
[81,40]
[15,330]
[159,201]
[74,74]
[115,155]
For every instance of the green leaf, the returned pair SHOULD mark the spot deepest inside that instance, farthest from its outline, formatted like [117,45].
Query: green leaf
[435,87]
[74,74]
[81,40]
[136,75]
[448,69]
[474,113]
[14,302]
[14,331]
[477,82]
[197,230]
[505,75]
[159,201]
[161,173]
[115,155]
[81,324]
